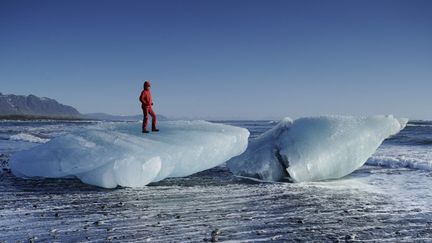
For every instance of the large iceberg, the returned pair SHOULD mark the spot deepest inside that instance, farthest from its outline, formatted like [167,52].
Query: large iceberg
[315,148]
[112,154]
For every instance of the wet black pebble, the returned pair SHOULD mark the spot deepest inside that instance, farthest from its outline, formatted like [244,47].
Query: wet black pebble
[350,237]
[33,239]
[215,235]
[99,223]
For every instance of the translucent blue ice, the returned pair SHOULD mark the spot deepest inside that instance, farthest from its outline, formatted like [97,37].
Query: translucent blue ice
[314,148]
[108,155]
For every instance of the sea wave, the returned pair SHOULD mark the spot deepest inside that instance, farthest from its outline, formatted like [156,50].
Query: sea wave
[26,137]
[419,123]
[411,139]
[400,162]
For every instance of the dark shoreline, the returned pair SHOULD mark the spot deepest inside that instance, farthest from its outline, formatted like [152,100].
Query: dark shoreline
[189,209]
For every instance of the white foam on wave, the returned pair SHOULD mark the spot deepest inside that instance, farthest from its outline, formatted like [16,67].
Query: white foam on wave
[28,138]
[419,125]
[112,154]
[403,156]
[400,162]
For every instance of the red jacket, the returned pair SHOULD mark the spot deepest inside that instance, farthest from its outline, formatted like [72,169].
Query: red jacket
[146,99]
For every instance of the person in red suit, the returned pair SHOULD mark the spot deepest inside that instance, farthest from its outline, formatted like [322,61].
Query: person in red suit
[146,105]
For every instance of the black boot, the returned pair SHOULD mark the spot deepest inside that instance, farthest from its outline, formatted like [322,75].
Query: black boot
[155,130]
[144,131]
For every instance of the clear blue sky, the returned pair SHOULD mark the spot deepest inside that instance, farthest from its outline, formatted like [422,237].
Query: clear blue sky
[222,58]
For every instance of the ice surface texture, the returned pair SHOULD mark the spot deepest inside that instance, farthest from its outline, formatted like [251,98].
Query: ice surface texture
[112,154]
[315,148]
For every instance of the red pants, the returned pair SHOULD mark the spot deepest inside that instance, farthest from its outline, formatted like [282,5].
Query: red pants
[146,111]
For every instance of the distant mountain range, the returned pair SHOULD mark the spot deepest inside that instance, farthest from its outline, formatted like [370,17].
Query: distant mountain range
[34,107]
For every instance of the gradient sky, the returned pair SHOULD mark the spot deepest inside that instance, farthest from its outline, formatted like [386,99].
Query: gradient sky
[222,59]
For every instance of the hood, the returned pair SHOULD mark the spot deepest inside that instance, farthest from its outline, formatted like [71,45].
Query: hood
[147,84]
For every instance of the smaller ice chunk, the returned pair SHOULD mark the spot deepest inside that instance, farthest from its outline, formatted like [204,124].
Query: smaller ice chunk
[314,148]
[111,154]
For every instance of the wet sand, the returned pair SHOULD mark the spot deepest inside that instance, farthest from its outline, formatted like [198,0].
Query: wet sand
[189,209]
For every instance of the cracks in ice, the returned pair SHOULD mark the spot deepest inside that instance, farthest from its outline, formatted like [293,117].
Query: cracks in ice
[283,161]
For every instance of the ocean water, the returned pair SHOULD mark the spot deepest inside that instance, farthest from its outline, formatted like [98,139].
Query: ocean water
[387,199]
[19,135]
